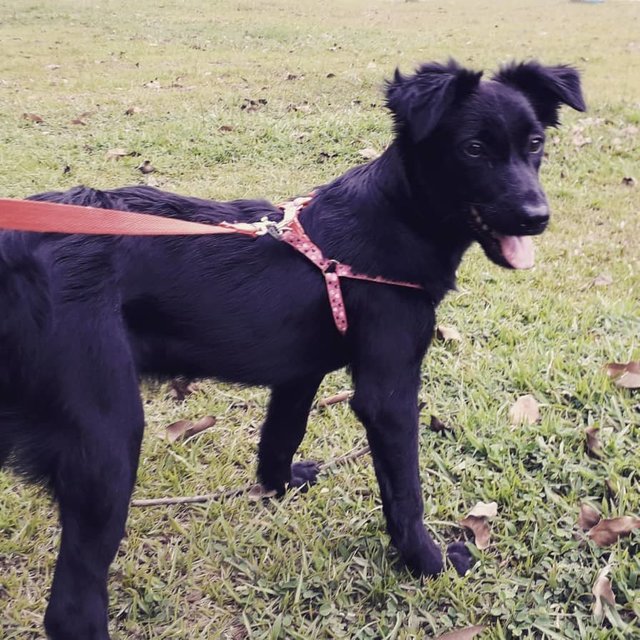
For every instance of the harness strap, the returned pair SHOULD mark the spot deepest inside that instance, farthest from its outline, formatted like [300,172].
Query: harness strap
[332,270]
[50,217]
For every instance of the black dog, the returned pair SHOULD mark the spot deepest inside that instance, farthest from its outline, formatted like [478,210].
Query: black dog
[83,316]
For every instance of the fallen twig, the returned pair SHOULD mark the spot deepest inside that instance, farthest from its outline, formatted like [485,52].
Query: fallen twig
[233,493]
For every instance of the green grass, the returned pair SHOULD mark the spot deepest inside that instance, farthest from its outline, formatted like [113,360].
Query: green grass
[318,565]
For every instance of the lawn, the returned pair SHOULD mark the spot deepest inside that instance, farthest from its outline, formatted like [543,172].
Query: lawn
[233,98]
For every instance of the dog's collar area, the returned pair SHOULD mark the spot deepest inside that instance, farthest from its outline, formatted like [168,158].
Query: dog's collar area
[291,231]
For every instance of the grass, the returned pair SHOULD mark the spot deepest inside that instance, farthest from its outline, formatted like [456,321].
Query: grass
[318,565]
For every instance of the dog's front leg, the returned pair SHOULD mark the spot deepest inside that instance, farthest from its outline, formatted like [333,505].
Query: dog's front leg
[282,433]
[386,401]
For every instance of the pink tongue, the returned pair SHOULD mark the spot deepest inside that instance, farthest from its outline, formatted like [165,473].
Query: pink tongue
[518,251]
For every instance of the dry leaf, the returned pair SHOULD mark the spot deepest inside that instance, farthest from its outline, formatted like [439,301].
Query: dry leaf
[195,595]
[477,522]
[252,105]
[448,333]
[602,592]
[146,167]
[225,128]
[116,154]
[368,153]
[484,510]
[462,634]
[258,492]
[525,410]
[588,517]
[32,117]
[480,529]
[186,429]
[602,280]
[78,121]
[579,140]
[609,530]
[131,111]
[594,446]
[625,375]
[629,380]
[437,426]
[181,387]
[338,397]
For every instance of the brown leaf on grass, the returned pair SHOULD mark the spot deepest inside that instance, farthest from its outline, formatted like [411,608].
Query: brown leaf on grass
[79,121]
[594,446]
[258,492]
[225,128]
[462,634]
[116,154]
[524,410]
[32,117]
[477,521]
[187,429]
[335,399]
[484,510]
[580,140]
[625,375]
[248,104]
[609,530]
[131,111]
[437,426]
[180,388]
[602,280]
[368,153]
[146,167]
[448,334]
[602,593]
[588,517]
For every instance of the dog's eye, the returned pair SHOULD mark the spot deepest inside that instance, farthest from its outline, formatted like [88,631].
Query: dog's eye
[474,149]
[535,145]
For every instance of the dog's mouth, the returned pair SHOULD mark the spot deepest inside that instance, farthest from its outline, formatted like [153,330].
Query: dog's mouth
[512,252]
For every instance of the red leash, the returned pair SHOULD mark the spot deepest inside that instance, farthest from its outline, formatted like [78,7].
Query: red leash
[52,217]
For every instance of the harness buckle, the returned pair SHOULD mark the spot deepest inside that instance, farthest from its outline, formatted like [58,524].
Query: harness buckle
[266,226]
[331,266]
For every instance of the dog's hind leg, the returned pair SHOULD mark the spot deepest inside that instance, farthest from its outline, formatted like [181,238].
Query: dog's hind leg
[98,434]
[92,482]
[282,433]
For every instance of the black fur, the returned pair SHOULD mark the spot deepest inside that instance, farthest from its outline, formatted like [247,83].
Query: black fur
[82,317]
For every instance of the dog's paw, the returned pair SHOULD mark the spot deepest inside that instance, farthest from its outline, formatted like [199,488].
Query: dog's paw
[304,474]
[460,557]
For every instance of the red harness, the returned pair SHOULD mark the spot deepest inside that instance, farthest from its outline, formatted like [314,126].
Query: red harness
[50,217]
[332,270]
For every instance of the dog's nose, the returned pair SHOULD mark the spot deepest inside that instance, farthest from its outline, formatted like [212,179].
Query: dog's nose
[535,218]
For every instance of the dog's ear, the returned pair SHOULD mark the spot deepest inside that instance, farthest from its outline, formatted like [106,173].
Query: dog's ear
[419,101]
[545,87]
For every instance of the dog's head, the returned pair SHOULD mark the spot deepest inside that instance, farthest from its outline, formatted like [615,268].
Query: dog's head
[474,148]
